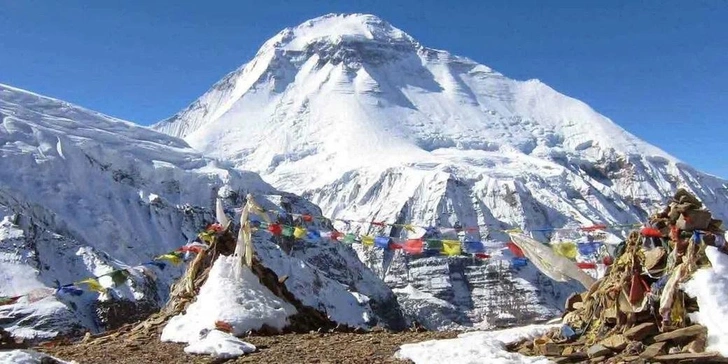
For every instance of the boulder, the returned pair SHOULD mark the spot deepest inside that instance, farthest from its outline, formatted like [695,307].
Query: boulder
[641,331]
[683,335]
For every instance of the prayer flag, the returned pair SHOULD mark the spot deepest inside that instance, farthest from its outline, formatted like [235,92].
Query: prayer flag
[367,240]
[382,242]
[451,247]
[299,232]
[413,246]
[474,247]
[93,285]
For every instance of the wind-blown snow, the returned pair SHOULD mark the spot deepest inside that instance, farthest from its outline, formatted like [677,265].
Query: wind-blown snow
[243,303]
[475,347]
[710,287]
[357,116]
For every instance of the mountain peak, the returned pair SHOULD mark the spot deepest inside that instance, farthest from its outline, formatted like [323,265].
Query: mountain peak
[337,28]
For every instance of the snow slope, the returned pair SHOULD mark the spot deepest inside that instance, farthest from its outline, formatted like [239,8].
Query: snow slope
[82,194]
[369,124]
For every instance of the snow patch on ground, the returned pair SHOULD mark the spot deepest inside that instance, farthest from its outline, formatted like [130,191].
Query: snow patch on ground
[710,287]
[28,357]
[474,347]
[220,345]
[243,302]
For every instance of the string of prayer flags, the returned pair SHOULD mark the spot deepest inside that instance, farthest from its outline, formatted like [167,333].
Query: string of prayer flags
[93,285]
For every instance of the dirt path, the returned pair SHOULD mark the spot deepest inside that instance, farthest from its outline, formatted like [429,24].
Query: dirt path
[374,347]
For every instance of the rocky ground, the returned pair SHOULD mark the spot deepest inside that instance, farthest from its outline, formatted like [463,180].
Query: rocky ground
[372,347]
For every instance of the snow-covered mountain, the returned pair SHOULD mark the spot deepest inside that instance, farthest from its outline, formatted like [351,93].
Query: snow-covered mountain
[369,124]
[82,194]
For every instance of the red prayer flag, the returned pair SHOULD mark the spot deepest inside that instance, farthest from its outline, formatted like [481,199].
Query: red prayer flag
[275,229]
[595,227]
[517,252]
[393,245]
[472,229]
[307,217]
[335,235]
[482,255]
[583,265]
[413,246]
[380,223]
[651,232]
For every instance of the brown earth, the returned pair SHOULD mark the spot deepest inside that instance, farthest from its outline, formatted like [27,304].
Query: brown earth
[371,347]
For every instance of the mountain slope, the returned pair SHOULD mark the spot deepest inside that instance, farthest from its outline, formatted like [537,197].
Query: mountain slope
[82,194]
[369,124]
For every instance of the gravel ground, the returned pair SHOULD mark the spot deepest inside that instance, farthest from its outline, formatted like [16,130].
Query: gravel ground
[372,347]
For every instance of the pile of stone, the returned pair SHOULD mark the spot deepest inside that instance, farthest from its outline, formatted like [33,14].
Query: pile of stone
[637,311]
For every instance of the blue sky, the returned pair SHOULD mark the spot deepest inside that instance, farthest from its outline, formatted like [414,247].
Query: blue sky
[657,68]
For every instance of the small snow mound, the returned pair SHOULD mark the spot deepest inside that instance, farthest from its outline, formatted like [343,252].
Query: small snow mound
[474,347]
[243,303]
[220,345]
[710,287]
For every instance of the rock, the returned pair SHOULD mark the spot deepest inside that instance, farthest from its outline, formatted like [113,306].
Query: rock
[653,350]
[682,335]
[641,331]
[598,359]
[615,342]
[598,350]
[571,301]
[568,351]
[551,349]
[696,346]
[686,357]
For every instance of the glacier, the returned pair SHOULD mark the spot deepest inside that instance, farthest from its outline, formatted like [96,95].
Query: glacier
[361,119]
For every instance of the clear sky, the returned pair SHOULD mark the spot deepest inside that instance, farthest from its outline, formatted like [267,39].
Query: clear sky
[657,68]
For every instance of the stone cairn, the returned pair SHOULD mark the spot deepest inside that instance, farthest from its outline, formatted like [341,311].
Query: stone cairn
[637,312]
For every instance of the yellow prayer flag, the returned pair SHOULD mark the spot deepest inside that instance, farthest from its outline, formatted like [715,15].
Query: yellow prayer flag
[299,232]
[367,240]
[566,249]
[171,257]
[93,285]
[451,247]
[409,228]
